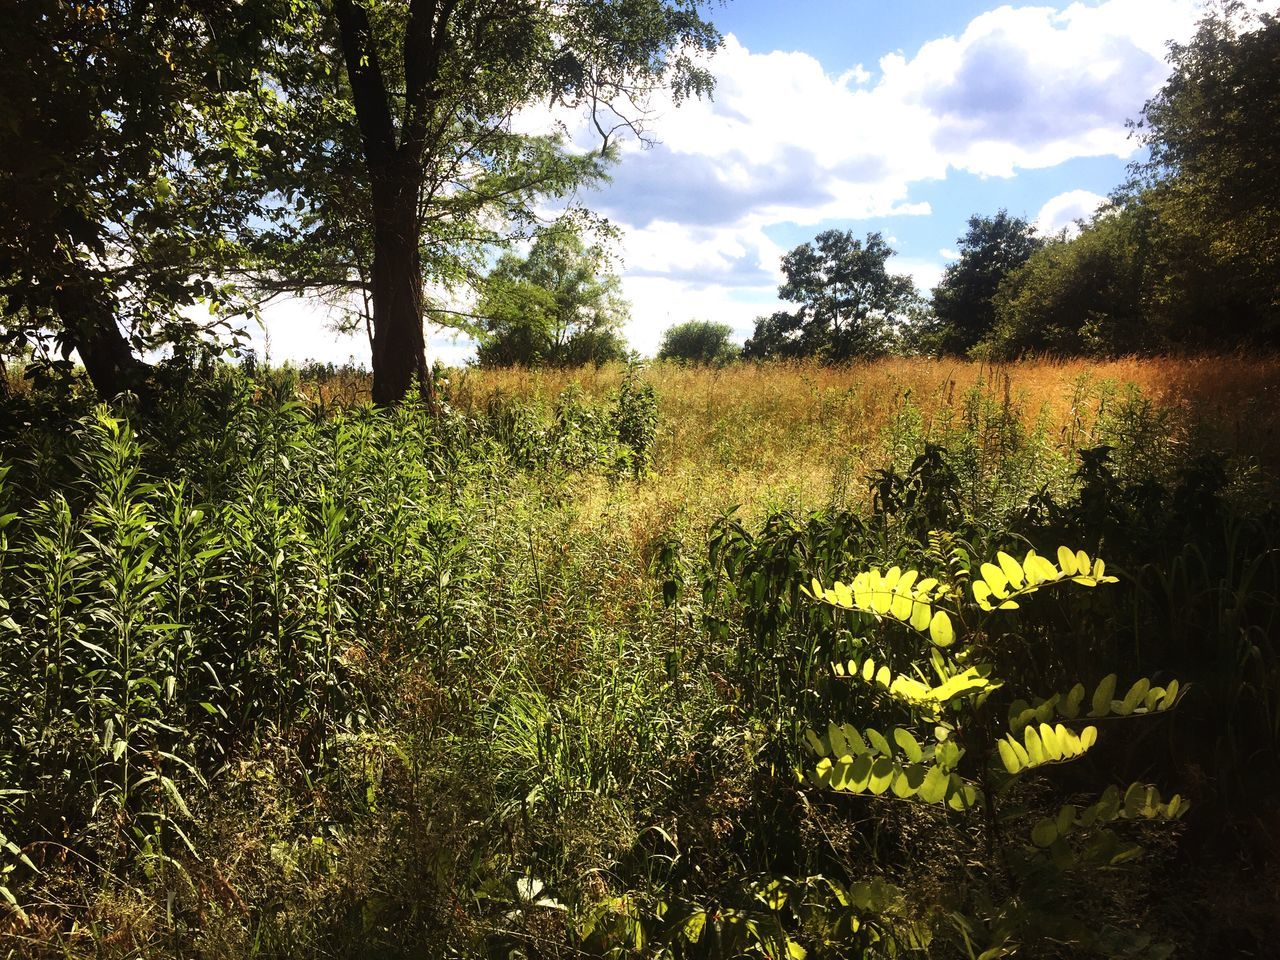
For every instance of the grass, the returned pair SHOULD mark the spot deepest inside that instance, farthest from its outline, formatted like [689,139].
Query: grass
[803,436]
[415,690]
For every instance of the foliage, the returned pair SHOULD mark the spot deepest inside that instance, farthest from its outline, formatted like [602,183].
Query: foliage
[636,419]
[963,309]
[1081,296]
[560,306]
[1211,176]
[1185,255]
[453,715]
[954,752]
[698,342]
[127,176]
[850,305]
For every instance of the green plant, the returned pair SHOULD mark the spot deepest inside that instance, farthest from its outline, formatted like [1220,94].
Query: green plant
[948,746]
[636,420]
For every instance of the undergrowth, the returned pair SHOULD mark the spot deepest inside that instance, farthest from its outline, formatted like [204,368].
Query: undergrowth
[287,676]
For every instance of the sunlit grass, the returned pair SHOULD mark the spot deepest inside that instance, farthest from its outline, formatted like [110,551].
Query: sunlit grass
[803,435]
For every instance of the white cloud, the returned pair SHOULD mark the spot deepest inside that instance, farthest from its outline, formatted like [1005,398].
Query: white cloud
[783,141]
[1065,209]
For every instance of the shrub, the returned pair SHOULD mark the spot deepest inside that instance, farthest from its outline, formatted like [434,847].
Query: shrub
[701,342]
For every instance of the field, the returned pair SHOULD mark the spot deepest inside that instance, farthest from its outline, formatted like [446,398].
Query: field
[286,676]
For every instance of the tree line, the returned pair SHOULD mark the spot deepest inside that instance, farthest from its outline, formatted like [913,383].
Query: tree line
[1183,256]
[172,165]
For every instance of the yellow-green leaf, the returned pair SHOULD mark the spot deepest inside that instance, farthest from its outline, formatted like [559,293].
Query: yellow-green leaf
[1012,570]
[940,630]
[881,775]
[1067,561]
[1008,757]
[920,615]
[996,580]
[934,787]
[1103,695]
[910,748]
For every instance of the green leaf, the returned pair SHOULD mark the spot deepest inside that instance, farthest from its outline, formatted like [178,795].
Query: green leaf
[934,787]
[907,781]
[940,629]
[878,742]
[910,747]
[1103,696]
[1071,705]
[881,775]
[815,743]
[1044,833]
[859,776]
[1137,693]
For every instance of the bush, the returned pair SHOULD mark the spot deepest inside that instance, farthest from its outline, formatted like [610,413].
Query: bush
[698,342]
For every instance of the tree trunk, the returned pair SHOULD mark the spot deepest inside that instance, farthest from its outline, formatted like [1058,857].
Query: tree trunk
[395,178]
[90,327]
[399,347]
[108,359]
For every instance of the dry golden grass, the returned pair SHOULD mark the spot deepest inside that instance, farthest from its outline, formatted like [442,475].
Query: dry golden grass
[800,435]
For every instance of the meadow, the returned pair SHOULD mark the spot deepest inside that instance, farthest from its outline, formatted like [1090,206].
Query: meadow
[545,673]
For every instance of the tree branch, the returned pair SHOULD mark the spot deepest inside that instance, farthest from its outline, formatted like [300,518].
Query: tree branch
[368,89]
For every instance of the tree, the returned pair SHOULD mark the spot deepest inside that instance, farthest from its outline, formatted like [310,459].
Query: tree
[1188,253]
[559,306]
[850,305]
[127,132]
[1213,179]
[699,342]
[420,120]
[1083,296]
[963,311]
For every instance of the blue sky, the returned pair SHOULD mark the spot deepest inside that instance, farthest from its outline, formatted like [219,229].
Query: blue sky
[903,117]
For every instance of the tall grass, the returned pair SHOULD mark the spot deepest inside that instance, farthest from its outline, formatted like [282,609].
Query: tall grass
[283,675]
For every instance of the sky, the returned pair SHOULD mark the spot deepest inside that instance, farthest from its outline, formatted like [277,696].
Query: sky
[902,117]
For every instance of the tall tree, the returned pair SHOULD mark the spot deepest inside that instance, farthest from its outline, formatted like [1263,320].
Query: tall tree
[1188,253]
[421,119]
[559,306]
[990,249]
[1213,178]
[1081,296]
[850,305]
[126,131]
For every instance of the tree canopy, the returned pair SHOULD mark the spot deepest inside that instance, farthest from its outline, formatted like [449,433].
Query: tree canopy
[167,152]
[962,303]
[698,342]
[850,306]
[416,108]
[1187,255]
[559,306]
[127,129]
[1080,296]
